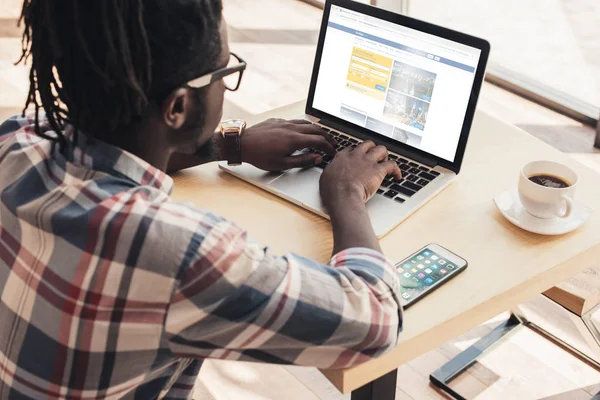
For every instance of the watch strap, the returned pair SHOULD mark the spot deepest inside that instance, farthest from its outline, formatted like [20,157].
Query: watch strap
[232,143]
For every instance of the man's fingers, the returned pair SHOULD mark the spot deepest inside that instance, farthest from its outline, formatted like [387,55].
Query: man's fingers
[300,121]
[302,160]
[314,130]
[316,142]
[307,128]
[379,153]
[391,168]
[365,146]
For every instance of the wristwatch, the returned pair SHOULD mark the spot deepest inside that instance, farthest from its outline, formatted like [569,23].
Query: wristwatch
[232,130]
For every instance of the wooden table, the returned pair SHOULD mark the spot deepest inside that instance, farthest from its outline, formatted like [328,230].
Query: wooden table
[506,264]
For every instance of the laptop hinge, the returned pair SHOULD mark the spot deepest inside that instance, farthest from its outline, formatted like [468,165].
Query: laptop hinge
[387,143]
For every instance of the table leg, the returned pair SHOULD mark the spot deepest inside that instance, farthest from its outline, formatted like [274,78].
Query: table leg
[383,388]
[444,375]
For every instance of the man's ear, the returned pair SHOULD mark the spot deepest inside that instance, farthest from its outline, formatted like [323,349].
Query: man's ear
[176,108]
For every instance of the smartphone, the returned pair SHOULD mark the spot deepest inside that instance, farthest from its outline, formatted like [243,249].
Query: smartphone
[426,270]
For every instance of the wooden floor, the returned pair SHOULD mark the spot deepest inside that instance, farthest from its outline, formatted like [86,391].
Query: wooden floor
[524,366]
[277,38]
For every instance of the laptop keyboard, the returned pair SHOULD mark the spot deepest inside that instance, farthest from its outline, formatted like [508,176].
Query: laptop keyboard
[414,176]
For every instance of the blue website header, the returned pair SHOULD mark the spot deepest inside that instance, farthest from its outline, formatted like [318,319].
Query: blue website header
[402,47]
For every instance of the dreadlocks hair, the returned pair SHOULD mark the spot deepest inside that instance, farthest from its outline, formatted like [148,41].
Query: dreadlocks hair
[99,64]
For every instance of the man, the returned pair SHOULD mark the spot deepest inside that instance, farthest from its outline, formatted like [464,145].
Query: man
[110,289]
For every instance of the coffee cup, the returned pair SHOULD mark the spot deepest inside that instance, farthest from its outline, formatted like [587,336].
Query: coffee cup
[546,189]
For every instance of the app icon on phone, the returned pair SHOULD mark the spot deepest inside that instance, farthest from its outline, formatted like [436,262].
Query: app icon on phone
[428,271]
[405,295]
[435,266]
[428,280]
[443,271]
[413,261]
[427,253]
[420,266]
[407,275]
[407,266]
[427,262]
[420,257]
[414,279]
[436,276]
[441,262]
[450,266]
[421,275]
[434,257]
[414,270]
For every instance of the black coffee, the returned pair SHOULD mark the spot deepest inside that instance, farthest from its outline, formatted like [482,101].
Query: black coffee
[550,181]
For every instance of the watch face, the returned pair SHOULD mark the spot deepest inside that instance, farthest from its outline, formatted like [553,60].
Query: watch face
[233,124]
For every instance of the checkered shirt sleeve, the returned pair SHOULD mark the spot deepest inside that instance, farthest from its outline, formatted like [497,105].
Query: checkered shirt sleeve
[234,300]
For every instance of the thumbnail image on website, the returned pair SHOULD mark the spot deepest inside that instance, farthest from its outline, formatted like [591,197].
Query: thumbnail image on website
[409,95]
[406,110]
[413,81]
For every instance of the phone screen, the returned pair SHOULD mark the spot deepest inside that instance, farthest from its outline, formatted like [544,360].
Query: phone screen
[424,271]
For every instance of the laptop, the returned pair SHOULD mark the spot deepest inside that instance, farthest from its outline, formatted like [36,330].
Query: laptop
[400,82]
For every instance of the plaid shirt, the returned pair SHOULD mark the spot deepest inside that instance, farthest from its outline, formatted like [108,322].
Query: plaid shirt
[109,289]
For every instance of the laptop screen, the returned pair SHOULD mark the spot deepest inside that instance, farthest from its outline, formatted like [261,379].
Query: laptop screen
[410,86]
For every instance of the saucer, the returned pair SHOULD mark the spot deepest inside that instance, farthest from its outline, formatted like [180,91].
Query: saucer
[510,206]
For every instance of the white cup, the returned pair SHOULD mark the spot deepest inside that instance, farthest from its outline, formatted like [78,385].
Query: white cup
[547,202]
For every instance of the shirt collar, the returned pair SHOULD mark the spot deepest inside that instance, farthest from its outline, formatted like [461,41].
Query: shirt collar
[101,156]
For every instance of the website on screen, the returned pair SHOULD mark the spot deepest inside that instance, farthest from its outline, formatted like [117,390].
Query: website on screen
[402,83]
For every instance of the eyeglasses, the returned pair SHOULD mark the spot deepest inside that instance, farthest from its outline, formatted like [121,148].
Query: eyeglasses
[231,75]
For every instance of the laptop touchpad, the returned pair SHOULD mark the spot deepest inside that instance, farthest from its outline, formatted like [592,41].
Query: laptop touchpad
[302,185]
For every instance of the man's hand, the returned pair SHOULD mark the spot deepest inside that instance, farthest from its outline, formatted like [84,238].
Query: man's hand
[356,174]
[346,184]
[270,144]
